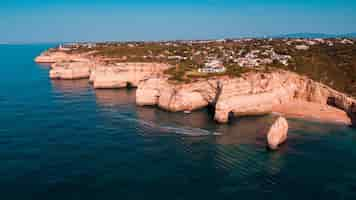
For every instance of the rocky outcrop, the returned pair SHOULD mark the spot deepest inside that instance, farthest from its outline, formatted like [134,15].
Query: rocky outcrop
[277,134]
[122,75]
[70,70]
[252,94]
[185,97]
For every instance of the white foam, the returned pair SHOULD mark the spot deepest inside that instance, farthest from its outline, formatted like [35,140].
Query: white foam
[188,131]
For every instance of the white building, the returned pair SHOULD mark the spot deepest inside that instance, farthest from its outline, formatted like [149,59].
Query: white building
[63,48]
[214,66]
[346,41]
[302,47]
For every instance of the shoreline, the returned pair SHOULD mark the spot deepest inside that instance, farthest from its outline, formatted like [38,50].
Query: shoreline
[312,112]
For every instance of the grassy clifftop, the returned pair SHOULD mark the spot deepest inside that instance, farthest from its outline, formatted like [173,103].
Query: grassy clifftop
[332,65]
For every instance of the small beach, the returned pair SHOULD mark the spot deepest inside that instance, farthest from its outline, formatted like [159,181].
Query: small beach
[312,111]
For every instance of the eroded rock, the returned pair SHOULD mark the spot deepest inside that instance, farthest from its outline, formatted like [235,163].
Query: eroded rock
[185,97]
[278,133]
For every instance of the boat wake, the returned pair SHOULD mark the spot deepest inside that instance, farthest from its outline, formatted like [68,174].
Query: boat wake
[182,130]
[187,131]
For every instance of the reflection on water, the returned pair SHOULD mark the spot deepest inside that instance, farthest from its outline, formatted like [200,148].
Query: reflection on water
[249,130]
[71,87]
[112,98]
[197,121]
[45,66]
[315,127]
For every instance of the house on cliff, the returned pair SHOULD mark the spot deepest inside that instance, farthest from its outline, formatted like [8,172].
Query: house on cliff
[214,66]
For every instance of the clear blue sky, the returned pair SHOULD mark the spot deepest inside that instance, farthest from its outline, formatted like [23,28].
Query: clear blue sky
[103,20]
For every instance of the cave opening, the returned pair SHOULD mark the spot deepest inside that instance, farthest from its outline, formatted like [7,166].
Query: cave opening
[331,101]
[129,86]
[231,116]
[211,109]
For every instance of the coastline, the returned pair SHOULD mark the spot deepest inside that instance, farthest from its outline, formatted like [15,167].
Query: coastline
[279,92]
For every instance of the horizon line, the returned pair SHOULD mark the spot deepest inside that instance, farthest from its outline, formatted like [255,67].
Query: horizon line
[281,35]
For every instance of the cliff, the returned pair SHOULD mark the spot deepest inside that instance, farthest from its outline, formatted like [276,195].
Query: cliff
[185,97]
[102,75]
[259,93]
[71,70]
[252,94]
[122,75]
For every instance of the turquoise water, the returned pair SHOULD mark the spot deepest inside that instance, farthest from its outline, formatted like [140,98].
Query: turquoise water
[64,140]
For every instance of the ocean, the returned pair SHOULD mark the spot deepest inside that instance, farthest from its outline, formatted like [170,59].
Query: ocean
[65,140]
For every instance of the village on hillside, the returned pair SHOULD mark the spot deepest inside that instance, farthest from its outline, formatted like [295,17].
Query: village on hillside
[232,57]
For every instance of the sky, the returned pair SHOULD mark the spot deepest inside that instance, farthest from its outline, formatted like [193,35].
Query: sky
[122,20]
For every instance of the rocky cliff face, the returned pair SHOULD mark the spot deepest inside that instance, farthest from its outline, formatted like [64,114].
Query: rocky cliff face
[121,75]
[71,70]
[117,75]
[252,94]
[187,97]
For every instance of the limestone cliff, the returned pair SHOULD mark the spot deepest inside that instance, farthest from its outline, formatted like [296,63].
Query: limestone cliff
[71,70]
[186,97]
[121,75]
[258,93]
[252,94]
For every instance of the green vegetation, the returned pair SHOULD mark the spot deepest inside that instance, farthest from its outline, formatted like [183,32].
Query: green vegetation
[334,66]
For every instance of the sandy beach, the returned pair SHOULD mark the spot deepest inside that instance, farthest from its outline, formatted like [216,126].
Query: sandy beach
[312,111]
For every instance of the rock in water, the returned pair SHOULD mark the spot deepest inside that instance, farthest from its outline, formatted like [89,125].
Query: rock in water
[277,134]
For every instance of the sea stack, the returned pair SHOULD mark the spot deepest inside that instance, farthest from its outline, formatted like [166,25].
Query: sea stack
[277,134]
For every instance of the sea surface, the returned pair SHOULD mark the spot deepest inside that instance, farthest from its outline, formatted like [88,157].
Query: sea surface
[64,140]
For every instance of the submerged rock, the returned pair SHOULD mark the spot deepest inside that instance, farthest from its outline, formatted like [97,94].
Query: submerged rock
[277,134]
